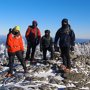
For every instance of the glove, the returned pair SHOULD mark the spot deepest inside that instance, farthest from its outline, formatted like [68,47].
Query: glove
[41,49]
[72,48]
[55,47]
[37,41]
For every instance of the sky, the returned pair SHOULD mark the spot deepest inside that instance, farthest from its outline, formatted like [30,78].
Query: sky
[48,14]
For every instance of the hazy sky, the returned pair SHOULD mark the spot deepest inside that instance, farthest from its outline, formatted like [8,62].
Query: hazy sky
[48,14]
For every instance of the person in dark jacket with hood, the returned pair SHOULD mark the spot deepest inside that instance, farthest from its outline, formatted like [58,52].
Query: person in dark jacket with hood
[33,36]
[66,38]
[46,44]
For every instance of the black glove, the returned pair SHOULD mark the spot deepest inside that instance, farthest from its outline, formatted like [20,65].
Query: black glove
[41,49]
[56,47]
[72,48]
[37,41]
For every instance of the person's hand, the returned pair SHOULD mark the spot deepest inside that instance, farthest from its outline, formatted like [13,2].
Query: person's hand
[37,41]
[72,48]
[55,47]
[41,49]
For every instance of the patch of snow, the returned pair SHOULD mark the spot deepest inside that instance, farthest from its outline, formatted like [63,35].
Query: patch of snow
[45,74]
[84,88]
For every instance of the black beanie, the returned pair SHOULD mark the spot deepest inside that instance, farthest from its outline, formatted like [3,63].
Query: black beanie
[47,31]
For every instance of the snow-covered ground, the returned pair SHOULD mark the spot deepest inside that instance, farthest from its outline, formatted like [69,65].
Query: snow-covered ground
[49,77]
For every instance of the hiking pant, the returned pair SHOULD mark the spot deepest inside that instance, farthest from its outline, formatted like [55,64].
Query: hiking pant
[29,47]
[45,52]
[11,60]
[65,56]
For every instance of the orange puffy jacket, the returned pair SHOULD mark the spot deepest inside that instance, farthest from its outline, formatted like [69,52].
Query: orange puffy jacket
[14,43]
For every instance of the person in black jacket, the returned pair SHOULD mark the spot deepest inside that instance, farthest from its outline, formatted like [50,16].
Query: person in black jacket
[46,44]
[66,38]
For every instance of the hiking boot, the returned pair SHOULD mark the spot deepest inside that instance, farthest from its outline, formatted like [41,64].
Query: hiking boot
[26,60]
[33,61]
[26,70]
[63,67]
[67,70]
[9,75]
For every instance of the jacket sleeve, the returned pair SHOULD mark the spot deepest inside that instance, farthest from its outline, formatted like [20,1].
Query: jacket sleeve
[41,42]
[27,33]
[21,44]
[39,34]
[51,42]
[57,36]
[10,41]
[72,35]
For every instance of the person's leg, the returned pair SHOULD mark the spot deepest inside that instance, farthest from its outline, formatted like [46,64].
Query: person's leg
[63,56]
[44,56]
[11,61]
[44,53]
[68,58]
[51,50]
[19,56]
[28,51]
[33,52]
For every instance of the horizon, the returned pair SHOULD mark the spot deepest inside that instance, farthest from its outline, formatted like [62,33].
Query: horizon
[52,37]
[48,14]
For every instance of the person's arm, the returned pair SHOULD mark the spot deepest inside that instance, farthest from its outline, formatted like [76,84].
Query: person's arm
[10,41]
[38,36]
[21,44]
[72,35]
[27,33]
[41,44]
[51,41]
[57,36]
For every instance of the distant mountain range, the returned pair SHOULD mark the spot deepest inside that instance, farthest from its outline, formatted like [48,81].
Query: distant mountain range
[3,39]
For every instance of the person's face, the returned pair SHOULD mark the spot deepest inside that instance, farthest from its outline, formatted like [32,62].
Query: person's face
[65,23]
[47,34]
[34,24]
[16,32]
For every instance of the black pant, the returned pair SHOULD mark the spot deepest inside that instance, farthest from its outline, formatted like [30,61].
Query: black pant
[11,60]
[65,56]
[29,47]
[45,51]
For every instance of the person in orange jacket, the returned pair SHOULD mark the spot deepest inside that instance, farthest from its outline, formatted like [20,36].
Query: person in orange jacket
[15,47]
[33,36]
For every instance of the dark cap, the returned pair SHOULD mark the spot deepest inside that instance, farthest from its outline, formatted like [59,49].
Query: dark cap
[47,31]
[65,20]
[34,21]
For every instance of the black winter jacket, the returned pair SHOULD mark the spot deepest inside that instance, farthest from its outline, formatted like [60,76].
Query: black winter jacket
[66,37]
